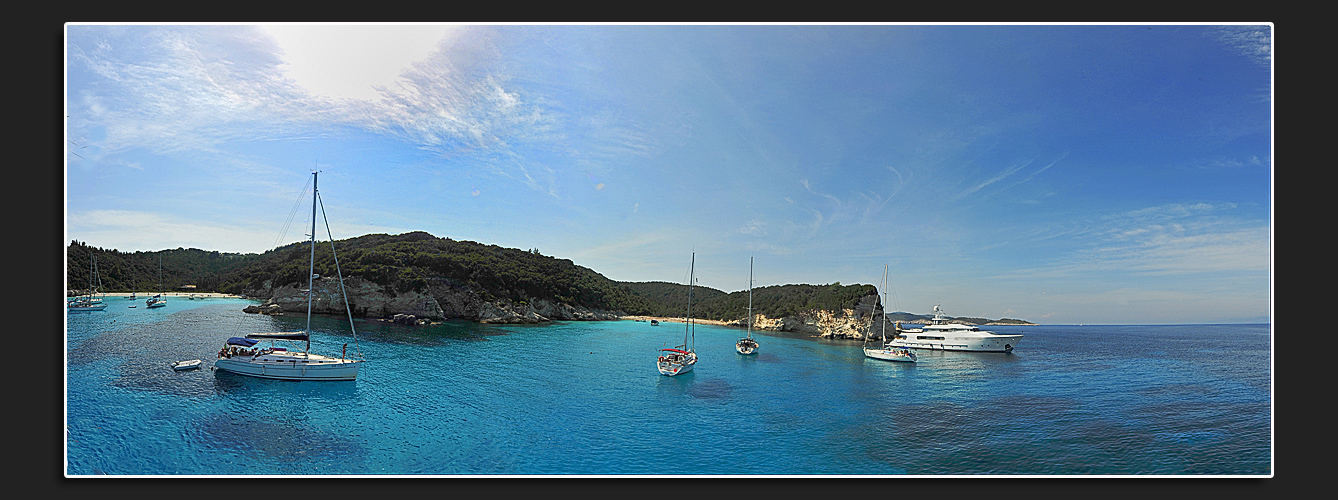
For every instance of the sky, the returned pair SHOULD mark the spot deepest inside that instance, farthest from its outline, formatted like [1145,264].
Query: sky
[1056,173]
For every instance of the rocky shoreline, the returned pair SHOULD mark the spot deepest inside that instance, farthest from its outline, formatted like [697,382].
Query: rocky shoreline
[853,323]
[369,299]
[434,305]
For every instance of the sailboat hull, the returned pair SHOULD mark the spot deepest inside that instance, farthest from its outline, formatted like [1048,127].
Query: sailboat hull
[675,361]
[292,367]
[890,355]
[672,369]
[745,348]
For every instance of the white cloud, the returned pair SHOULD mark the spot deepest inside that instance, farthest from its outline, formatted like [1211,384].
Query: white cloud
[133,231]
[194,88]
[350,62]
[753,227]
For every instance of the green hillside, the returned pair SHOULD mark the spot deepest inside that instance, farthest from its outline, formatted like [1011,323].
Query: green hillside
[138,271]
[421,262]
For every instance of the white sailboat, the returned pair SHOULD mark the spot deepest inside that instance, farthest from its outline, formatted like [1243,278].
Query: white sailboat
[747,345]
[681,359]
[887,351]
[239,355]
[90,300]
[158,300]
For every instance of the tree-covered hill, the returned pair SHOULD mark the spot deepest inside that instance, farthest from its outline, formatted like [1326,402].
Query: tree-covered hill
[418,260]
[138,271]
[671,299]
[784,300]
[772,301]
[421,262]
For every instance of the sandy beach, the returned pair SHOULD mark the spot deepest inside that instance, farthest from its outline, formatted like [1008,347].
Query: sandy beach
[675,320]
[145,295]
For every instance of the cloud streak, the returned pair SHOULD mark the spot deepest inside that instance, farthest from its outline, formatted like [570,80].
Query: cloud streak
[1012,169]
[1165,240]
[1252,41]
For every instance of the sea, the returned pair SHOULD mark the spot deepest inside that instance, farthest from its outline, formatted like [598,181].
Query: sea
[584,399]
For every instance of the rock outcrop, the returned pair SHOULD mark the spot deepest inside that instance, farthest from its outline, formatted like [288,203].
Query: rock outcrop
[841,324]
[270,309]
[408,319]
[540,310]
[369,299]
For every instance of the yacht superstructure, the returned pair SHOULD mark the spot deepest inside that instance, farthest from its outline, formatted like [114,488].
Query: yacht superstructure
[944,335]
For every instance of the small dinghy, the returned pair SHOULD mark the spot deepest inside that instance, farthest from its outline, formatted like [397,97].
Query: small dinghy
[186,365]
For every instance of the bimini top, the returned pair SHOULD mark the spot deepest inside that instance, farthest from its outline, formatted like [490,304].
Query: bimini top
[675,350]
[278,336]
[242,342]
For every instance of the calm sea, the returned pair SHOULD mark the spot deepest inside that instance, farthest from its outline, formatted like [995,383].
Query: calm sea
[584,398]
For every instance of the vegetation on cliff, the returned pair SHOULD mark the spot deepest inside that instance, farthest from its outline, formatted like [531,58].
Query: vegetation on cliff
[138,271]
[418,261]
[787,300]
[772,301]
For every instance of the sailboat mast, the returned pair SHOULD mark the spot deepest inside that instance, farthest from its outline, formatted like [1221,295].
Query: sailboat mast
[311,266]
[750,297]
[98,275]
[687,322]
[884,335]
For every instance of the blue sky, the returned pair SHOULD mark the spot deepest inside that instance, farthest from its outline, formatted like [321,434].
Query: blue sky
[1095,173]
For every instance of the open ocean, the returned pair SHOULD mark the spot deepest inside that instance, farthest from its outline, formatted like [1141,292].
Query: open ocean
[585,399]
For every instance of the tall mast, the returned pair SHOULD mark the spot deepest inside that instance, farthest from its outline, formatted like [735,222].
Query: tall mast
[884,335]
[750,297]
[688,323]
[311,266]
[98,286]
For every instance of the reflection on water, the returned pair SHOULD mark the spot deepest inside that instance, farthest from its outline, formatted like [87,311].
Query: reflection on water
[764,357]
[711,388]
[272,439]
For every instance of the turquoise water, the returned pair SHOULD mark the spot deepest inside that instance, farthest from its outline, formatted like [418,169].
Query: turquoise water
[584,398]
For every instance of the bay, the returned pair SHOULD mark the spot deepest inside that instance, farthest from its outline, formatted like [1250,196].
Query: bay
[585,399]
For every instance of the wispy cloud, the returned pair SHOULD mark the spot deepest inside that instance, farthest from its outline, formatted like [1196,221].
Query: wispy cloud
[1254,41]
[195,88]
[754,227]
[1172,239]
[809,187]
[1042,169]
[1012,169]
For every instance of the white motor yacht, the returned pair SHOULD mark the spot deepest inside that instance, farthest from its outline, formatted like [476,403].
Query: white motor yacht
[944,335]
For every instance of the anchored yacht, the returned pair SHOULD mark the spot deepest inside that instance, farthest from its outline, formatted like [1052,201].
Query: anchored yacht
[941,334]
